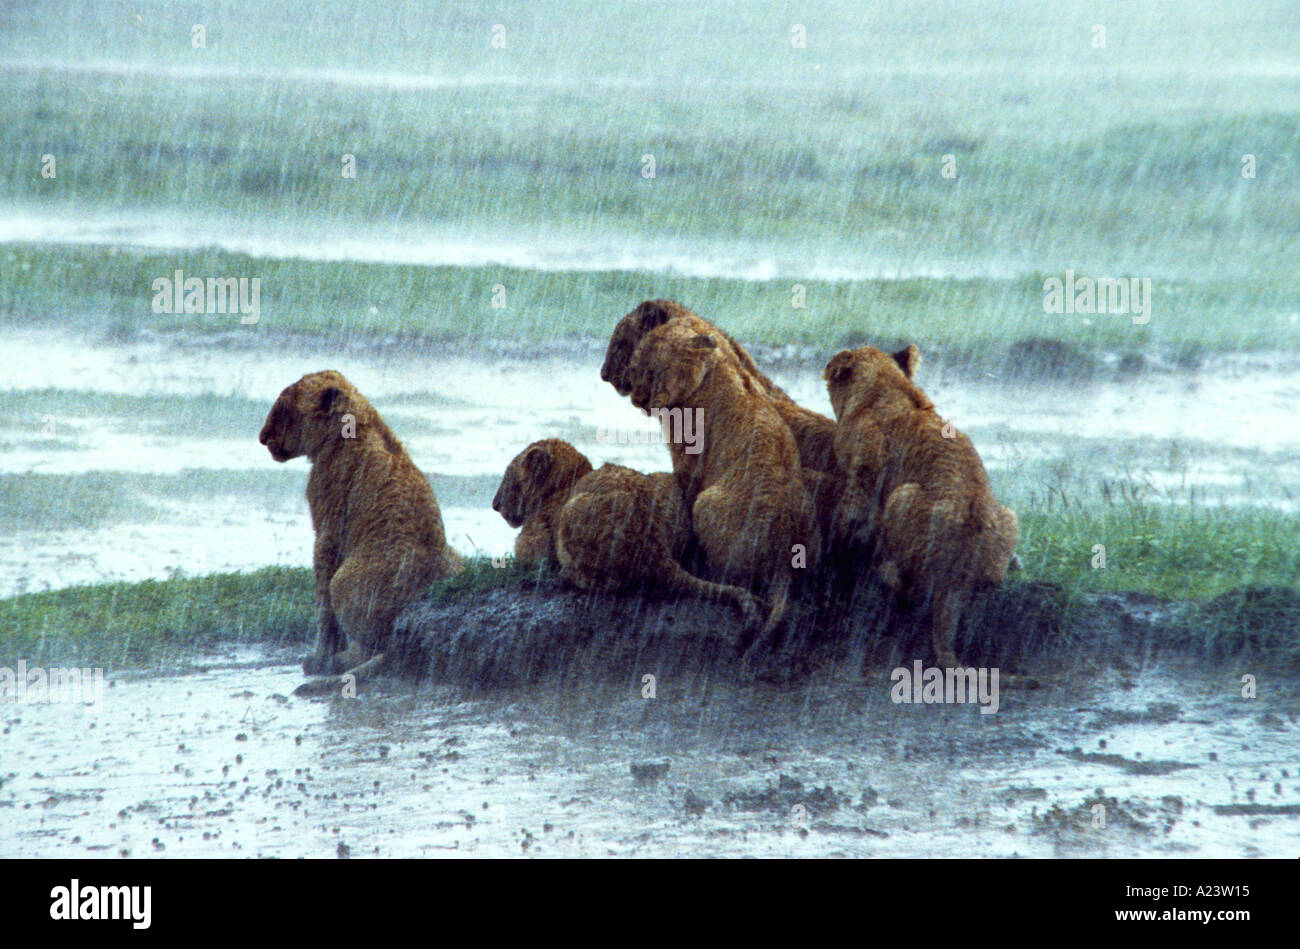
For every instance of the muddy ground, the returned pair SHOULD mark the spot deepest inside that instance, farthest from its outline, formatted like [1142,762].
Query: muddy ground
[488,755]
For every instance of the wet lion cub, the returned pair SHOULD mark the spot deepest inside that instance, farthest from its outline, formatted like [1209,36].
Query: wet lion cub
[379,534]
[748,504]
[814,434]
[607,529]
[915,493]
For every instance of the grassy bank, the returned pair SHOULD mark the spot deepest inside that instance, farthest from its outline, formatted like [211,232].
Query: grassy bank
[1233,573]
[1178,553]
[107,291]
[119,625]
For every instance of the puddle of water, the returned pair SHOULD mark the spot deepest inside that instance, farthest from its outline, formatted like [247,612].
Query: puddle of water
[223,762]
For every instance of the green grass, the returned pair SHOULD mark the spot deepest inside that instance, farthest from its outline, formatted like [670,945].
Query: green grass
[120,625]
[1234,572]
[108,291]
[1070,177]
[1177,552]
[482,575]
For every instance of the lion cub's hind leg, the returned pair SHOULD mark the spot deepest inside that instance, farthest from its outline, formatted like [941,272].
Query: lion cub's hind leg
[360,593]
[946,617]
[363,592]
[329,638]
[589,539]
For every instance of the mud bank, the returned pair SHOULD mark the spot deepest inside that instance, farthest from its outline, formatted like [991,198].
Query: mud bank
[222,760]
[541,633]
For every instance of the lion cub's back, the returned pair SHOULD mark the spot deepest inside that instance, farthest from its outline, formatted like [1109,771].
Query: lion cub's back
[614,511]
[392,510]
[947,464]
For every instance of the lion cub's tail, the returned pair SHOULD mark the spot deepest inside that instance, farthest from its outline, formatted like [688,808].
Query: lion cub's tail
[779,597]
[676,578]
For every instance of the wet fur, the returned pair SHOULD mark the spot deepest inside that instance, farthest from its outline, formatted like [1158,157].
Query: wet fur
[608,529]
[379,535]
[745,488]
[915,501]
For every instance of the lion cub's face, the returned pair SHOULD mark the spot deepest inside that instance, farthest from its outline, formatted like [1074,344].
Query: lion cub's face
[670,364]
[536,473]
[306,415]
[864,375]
[648,315]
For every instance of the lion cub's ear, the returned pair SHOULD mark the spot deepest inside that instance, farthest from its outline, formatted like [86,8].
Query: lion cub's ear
[840,368]
[330,400]
[538,462]
[908,360]
[653,314]
[704,341]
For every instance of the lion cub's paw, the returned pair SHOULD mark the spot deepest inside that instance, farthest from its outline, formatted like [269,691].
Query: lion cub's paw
[324,685]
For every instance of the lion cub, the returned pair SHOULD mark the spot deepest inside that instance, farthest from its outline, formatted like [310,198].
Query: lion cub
[605,529]
[915,492]
[379,534]
[813,433]
[746,495]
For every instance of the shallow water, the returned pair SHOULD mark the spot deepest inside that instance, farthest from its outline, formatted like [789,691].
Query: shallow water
[542,249]
[222,761]
[1222,433]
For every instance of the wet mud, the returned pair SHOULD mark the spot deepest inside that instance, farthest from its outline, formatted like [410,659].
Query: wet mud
[1135,746]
